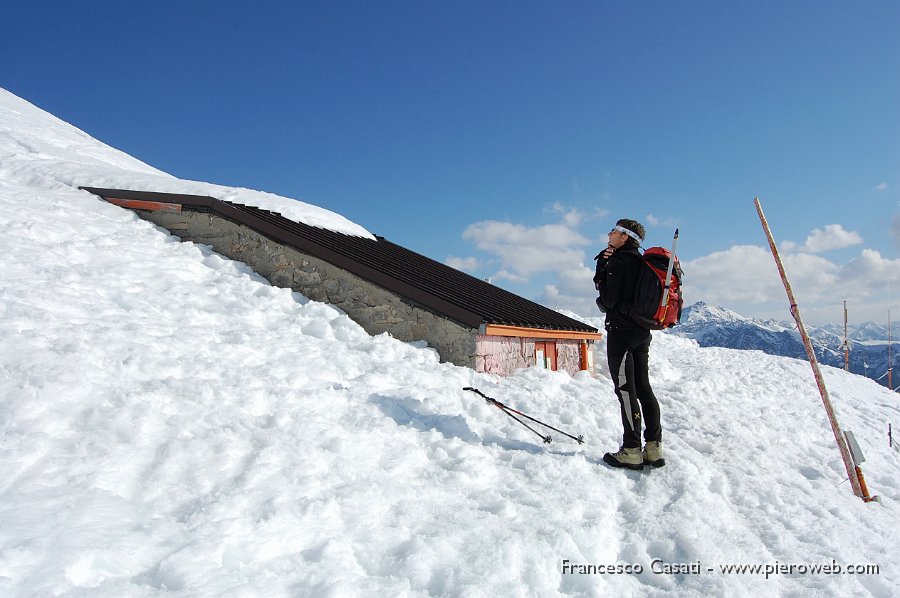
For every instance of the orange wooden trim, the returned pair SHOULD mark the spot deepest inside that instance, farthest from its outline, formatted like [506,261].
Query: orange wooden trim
[520,331]
[153,206]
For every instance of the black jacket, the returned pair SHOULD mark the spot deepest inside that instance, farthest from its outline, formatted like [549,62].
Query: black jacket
[616,279]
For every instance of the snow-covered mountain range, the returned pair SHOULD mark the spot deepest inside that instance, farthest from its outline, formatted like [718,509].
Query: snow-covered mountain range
[713,326]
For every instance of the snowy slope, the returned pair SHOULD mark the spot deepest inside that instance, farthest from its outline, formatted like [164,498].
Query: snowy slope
[171,424]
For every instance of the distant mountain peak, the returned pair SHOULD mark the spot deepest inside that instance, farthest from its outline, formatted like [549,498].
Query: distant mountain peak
[716,326]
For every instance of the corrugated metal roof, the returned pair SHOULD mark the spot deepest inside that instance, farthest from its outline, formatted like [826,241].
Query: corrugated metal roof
[419,279]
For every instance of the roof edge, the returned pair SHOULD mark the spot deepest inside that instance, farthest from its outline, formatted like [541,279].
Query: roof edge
[525,332]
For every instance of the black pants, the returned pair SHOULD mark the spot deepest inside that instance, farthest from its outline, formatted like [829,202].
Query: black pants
[628,354]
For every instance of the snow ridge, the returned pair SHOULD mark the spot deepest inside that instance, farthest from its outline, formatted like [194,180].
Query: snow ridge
[39,150]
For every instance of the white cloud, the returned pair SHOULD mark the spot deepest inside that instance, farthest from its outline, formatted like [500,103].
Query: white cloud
[579,303]
[524,251]
[654,221]
[870,273]
[551,257]
[742,273]
[882,187]
[742,277]
[466,264]
[600,213]
[570,216]
[788,246]
[745,278]
[576,278]
[834,236]
[509,276]
[895,230]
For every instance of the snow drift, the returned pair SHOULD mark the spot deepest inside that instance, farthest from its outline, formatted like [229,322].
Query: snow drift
[172,424]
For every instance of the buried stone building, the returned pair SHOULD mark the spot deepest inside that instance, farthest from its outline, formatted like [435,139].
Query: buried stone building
[382,286]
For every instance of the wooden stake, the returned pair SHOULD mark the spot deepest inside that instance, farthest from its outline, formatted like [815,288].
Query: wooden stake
[890,357]
[846,344]
[853,472]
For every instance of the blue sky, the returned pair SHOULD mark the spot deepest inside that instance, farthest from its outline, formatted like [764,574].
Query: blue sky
[506,137]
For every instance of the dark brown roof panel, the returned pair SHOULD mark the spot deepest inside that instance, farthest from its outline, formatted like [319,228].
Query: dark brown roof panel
[431,284]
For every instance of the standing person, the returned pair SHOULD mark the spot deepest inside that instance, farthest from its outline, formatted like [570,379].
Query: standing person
[628,348]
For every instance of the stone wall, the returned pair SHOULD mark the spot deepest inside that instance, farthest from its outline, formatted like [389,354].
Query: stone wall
[502,354]
[568,355]
[377,310]
[505,354]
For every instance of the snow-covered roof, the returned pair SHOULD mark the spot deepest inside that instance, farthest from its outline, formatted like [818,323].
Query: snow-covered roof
[438,287]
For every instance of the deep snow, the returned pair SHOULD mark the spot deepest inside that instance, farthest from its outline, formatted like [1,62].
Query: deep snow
[172,424]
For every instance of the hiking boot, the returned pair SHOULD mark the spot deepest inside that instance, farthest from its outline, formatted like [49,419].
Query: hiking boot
[653,454]
[630,458]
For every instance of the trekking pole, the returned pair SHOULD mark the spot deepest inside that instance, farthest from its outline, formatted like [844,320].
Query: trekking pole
[507,409]
[503,408]
[665,299]
[896,447]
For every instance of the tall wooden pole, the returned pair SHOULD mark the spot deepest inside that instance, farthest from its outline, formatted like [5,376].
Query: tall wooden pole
[852,470]
[846,344]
